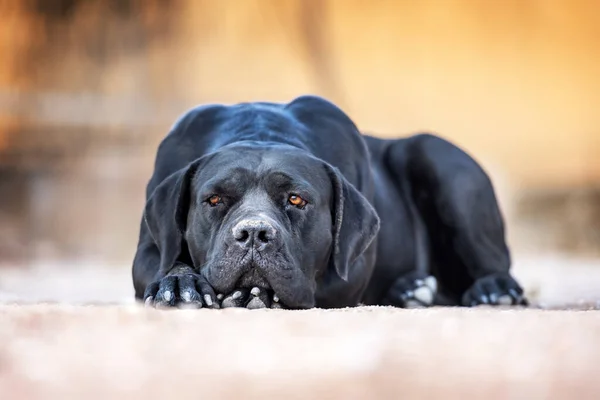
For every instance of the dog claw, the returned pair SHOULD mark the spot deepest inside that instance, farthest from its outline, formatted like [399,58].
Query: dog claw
[255,291]
[275,298]
[220,296]
[186,296]
[236,295]
[493,298]
[148,302]
[208,300]
[167,295]
[515,295]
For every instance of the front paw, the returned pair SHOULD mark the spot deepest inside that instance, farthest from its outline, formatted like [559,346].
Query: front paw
[498,289]
[251,299]
[414,290]
[182,288]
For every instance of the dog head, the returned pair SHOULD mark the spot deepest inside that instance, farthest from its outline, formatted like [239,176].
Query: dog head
[273,217]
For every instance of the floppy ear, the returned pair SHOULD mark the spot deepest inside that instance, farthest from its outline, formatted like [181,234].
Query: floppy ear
[166,213]
[355,223]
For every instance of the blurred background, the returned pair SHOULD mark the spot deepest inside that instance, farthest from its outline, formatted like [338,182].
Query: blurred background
[89,87]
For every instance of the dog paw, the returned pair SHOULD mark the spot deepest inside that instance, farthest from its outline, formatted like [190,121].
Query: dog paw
[499,289]
[183,289]
[412,292]
[251,299]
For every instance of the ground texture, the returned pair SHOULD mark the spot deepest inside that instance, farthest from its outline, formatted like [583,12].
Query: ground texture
[112,352]
[74,332]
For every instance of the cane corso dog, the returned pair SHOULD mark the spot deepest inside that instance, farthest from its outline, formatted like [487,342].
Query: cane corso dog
[264,205]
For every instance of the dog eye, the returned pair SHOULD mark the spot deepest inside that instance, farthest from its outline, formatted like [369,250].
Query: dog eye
[214,200]
[296,201]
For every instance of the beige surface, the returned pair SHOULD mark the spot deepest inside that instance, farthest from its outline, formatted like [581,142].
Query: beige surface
[117,349]
[63,352]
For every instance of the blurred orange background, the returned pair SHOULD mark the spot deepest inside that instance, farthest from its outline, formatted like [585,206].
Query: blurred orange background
[88,89]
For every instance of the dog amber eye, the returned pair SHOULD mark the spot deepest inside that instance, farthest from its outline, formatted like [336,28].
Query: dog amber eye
[297,201]
[214,200]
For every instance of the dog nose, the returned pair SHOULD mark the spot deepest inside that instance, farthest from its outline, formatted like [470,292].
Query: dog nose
[254,232]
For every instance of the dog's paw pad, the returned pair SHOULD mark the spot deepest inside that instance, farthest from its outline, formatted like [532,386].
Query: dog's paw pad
[412,292]
[424,295]
[413,304]
[431,283]
[258,299]
[505,300]
[255,304]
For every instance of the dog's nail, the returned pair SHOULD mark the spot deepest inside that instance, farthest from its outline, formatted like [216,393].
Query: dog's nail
[276,306]
[255,304]
[424,295]
[407,295]
[148,302]
[418,282]
[220,296]
[413,304]
[505,300]
[431,282]
[186,296]
[167,295]
[275,298]
[493,298]
[514,294]
[255,291]
[236,295]
[208,300]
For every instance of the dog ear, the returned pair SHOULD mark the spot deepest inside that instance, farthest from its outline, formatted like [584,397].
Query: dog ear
[166,213]
[355,223]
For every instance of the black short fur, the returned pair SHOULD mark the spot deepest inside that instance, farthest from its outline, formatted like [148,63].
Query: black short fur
[379,213]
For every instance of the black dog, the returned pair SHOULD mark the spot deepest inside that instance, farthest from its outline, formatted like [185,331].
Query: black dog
[288,205]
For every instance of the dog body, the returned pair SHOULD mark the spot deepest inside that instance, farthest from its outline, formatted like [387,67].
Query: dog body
[290,202]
